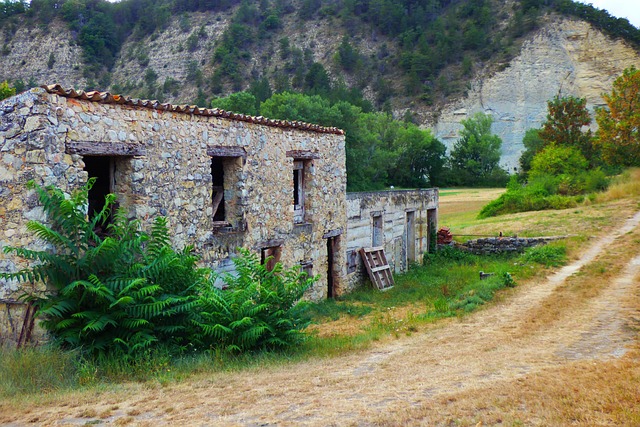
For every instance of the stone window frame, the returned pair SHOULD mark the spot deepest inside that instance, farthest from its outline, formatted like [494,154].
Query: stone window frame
[115,152]
[225,153]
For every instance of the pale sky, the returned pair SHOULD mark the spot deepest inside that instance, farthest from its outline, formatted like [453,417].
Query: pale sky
[629,9]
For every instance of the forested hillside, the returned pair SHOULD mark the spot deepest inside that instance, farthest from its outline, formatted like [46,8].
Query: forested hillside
[392,51]
[379,69]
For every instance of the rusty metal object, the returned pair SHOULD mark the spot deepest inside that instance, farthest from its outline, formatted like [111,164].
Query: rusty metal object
[27,325]
[444,236]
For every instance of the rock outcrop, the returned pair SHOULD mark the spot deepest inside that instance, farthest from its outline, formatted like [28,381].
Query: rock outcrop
[566,57]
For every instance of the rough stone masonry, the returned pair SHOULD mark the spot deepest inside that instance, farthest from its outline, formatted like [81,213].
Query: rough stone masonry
[223,180]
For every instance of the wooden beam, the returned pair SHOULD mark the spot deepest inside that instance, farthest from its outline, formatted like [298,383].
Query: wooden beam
[332,233]
[220,151]
[270,243]
[303,154]
[95,148]
[219,194]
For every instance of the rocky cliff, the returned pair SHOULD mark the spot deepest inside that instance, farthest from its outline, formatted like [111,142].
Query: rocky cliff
[565,57]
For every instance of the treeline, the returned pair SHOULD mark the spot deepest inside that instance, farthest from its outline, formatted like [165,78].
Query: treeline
[383,152]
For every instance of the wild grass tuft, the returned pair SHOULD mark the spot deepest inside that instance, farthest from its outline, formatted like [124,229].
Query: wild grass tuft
[38,370]
[551,255]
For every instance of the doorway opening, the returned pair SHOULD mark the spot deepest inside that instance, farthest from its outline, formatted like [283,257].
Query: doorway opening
[411,237]
[103,169]
[332,275]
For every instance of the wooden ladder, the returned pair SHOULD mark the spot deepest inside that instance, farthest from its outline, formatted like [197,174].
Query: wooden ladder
[377,267]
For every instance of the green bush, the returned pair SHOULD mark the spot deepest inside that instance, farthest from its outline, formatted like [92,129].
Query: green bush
[130,292]
[258,309]
[553,255]
[121,293]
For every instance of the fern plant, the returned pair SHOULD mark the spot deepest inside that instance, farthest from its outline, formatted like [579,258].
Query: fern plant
[116,294]
[258,309]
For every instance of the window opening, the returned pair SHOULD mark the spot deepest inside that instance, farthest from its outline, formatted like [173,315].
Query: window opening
[307,268]
[103,169]
[378,233]
[298,191]
[270,256]
[217,195]
[352,261]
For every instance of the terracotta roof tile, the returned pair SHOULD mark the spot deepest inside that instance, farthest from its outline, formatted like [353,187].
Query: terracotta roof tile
[108,98]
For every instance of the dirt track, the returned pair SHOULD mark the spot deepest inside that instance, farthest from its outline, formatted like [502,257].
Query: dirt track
[502,343]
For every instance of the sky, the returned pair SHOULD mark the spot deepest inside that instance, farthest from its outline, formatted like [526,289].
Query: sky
[629,9]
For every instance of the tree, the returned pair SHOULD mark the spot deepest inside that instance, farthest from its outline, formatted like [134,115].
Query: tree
[6,90]
[239,102]
[421,157]
[475,156]
[619,124]
[533,144]
[565,120]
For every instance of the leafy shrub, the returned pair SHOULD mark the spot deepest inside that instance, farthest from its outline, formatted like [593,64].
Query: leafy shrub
[121,293]
[535,196]
[260,308]
[6,90]
[130,292]
[553,255]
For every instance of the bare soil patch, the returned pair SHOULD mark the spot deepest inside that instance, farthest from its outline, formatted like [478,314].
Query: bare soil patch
[561,350]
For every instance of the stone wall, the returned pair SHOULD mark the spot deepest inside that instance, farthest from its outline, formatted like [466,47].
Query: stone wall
[392,213]
[170,174]
[493,245]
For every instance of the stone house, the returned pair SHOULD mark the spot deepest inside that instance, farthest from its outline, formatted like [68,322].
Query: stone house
[223,180]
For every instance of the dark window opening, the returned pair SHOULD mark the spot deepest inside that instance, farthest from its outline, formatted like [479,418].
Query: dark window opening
[217,195]
[270,256]
[103,169]
[296,187]
[298,191]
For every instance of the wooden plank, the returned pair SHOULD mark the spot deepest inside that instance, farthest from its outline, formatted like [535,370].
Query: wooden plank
[219,194]
[222,151]
[332,233]
[94,148]
[270,243]
[303,154]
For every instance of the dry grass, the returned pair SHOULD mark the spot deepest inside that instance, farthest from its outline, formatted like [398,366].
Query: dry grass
[626,185]
[549,353]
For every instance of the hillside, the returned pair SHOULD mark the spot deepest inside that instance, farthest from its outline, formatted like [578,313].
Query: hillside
[434,62]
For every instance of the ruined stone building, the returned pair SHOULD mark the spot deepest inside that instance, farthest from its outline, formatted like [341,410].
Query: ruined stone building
[223,180]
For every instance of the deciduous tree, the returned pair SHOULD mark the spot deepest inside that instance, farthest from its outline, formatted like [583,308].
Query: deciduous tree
[475,156]
[564,126]
[618,135]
